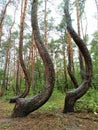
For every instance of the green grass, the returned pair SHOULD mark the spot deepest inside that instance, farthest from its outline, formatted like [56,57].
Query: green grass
[4,125]
[88,103]
[56,101]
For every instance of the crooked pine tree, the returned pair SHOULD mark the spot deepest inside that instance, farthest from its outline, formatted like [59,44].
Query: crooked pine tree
[25,106]
[73,96]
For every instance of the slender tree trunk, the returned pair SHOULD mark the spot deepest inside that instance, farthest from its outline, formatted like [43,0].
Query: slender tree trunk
[27,77]
[65,67]
[45,24]
[70,61]
[31,61]
[25,106]
[14,61]
[4,77]
[2,19]
[33,56]
[17,79]
[80,55]
[7,62]
[73,96]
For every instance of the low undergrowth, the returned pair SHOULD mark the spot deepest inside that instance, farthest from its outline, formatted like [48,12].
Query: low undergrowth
[88,103]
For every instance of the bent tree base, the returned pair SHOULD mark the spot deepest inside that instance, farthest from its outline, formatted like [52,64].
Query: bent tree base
[69,103]
[25,106]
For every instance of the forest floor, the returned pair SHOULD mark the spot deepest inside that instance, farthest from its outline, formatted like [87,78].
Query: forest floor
[47,120]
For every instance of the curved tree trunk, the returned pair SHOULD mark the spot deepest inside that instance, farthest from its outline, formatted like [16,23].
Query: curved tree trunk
[25,106]
[27,77]
[72,97]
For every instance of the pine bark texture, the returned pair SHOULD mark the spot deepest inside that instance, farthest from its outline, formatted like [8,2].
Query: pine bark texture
[73,96]
[25,106]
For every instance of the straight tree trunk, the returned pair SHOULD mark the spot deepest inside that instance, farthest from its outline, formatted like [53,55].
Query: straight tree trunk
[33,56]
[80,55]
[17,79]
[73,96]
[65,68]
[7,60]
[45,25]
[70,61]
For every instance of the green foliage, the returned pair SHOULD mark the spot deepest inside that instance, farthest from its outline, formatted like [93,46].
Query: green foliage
[1,74]
[8,94]
[39,75]
[94,47]
[94,53]
[89,102]
[55,102]
[5,125]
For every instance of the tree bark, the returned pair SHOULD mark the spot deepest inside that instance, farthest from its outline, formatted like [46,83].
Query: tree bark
[80,54]
[25,106]
[70,62]
[65,68]
[73,96]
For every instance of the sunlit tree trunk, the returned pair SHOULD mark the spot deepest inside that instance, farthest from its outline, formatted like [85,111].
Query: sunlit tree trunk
[65,67]
[80,55]
[7,60]
[25,106]
[73,96]
[33,57]
[70,61]
[31,61]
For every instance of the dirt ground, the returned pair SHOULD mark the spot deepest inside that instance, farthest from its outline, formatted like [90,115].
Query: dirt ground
[47,120]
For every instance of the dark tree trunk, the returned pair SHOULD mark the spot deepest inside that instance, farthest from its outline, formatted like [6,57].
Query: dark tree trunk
[72,97]
[25,106]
